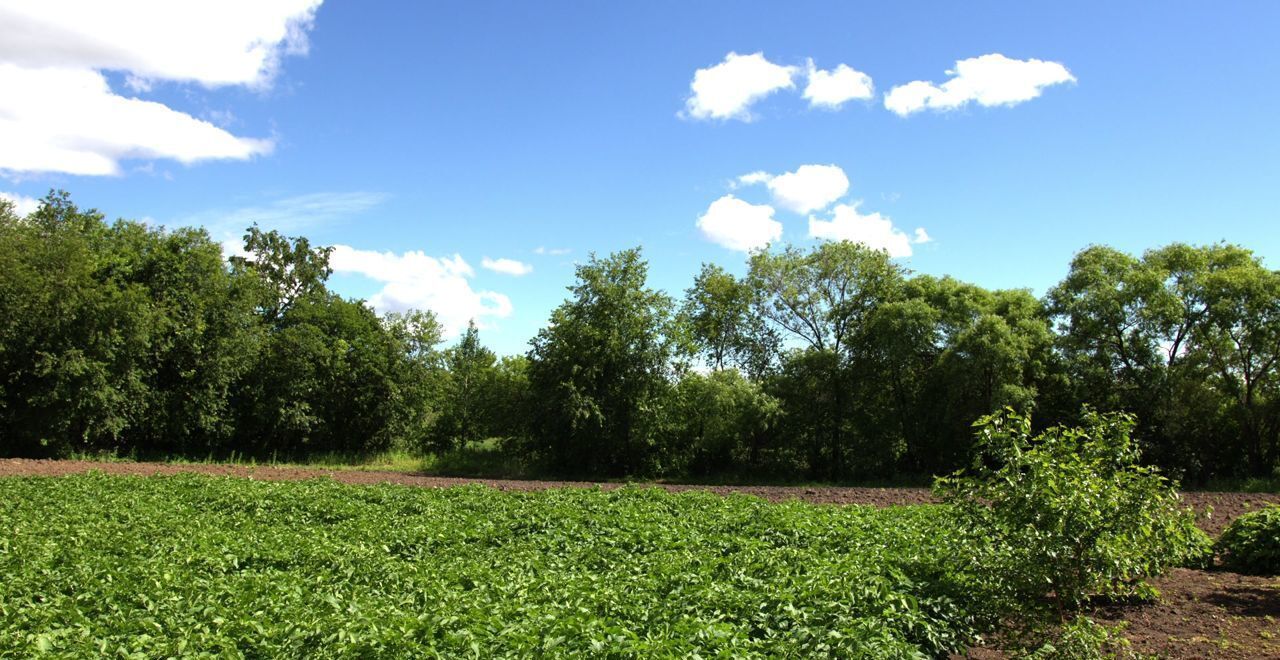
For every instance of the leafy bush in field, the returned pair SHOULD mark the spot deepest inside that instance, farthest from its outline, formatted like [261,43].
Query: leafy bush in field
[1068,513]
[157,567]
[1251,543]
[1084,639]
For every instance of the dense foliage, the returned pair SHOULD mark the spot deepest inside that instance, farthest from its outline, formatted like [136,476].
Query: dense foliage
[131,338]
[833,363]
[166,566]
[1068,513]
[1251,543]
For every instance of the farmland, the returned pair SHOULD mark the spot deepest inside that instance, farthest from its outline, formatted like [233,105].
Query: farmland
[148,567]
[261,565]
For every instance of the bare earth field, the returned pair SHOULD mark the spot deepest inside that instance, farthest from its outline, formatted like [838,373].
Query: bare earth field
[1202,614]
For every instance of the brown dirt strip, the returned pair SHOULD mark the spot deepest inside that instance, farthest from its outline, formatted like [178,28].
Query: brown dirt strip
[1201,614]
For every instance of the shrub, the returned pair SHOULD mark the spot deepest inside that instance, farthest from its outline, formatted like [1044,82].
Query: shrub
[1251,543]
[1068,513]
[1085,639]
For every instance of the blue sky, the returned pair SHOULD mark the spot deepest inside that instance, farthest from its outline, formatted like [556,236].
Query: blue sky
[427,137]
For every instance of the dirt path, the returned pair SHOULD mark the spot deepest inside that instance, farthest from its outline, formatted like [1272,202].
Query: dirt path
[1202,614]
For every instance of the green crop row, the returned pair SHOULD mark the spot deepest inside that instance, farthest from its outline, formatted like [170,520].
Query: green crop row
[198,566]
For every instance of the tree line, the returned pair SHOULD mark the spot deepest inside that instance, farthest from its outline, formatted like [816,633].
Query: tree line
[831,363]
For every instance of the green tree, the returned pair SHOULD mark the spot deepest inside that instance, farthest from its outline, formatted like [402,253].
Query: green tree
[717,311]
[600,368]
[328,380]
[1179,337]
[821,301]
[1240,343]
[74,336]
[420,375]
[464,416]
[121,336]
[722,423]
[289,268]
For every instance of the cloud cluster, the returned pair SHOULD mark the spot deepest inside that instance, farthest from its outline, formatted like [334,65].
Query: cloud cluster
[506,266]
[727,90]
[832,89]
[414,280]
[989,80]
[872,229]
[68,120]
[739,225]
[58,112]
[808,188]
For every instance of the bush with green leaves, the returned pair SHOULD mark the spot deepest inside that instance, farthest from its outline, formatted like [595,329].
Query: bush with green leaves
[1251,543]
[1084,639]
[1068,513]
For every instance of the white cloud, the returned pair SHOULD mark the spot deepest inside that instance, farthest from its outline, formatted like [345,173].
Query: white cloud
[22,205]
[922,236]
[832,89]
[551,251]
[873,230]
[68,120]
[413,280]
[289,214]
[214,43]
[989,80]
[59,114]
[506,266]
[738,225]
[727,90]
[753,178]
[809,188]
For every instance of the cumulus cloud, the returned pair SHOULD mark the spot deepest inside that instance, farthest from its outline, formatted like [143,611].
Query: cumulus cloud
[68,120]
[832,89]
[414,280]
[738,225]
[22,205]
[988,80]
[506,266]
[222,42]
[873,230]
[809,188]
[753,178]
[727,90]
[58,112]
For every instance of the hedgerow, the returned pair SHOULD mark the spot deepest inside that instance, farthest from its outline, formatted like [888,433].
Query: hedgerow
[169,566]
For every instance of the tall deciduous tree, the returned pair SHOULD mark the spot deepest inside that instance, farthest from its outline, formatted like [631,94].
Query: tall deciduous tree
[717,311]
[600,368]
[289,268]
[465,411]
[822,300]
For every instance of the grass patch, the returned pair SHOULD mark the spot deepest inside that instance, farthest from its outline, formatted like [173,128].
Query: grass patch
[93,565]
[482,459]
[387,461]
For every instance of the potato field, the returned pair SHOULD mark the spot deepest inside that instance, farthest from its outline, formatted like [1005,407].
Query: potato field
[113,566]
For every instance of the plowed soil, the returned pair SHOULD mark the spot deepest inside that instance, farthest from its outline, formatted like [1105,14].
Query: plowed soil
[1202,614]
